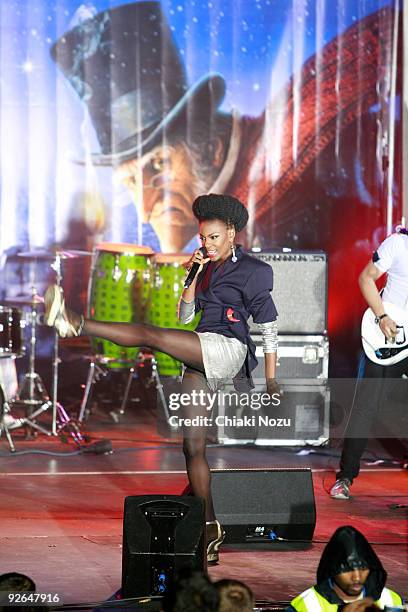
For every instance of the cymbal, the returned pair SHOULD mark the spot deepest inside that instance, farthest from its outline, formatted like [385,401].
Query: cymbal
[71,253]
[52,255]
[44,255]
[23,300]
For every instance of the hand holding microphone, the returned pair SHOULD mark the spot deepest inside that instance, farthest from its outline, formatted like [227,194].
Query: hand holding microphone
[195,265]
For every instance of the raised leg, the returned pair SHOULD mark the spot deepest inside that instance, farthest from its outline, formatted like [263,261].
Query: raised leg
[180,344]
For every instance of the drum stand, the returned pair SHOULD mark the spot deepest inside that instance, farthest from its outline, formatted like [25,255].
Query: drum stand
[159,387]
[60,418]
[95,373]
[31,391]
[7,422]
[116,415]
[34,385]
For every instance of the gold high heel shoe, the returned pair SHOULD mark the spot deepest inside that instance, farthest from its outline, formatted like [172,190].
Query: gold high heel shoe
[214,545]
[58,316]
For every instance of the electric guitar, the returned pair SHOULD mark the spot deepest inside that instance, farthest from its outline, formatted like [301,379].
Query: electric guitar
[376,346]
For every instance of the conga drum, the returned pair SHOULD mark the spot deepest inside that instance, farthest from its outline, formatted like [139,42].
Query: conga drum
[118,291]
[167,286]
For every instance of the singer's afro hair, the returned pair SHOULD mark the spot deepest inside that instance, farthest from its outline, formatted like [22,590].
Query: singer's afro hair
[223,207]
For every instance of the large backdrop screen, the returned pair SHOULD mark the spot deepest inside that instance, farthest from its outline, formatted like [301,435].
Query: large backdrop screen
[116,115]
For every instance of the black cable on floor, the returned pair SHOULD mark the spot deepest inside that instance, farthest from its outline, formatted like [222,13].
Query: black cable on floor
[40,452]
[287,541]
[87,450]
[114,603]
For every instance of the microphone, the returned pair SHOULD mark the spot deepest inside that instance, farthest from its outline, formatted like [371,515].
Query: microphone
[194,269]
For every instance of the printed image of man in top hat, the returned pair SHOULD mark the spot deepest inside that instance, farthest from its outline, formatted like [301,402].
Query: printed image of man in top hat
[168,141]
[125,66]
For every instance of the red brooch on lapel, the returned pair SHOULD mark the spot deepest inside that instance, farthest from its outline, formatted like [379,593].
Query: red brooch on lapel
[230,316]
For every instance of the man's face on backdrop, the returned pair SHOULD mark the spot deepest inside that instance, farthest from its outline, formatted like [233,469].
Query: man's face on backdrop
[164,184]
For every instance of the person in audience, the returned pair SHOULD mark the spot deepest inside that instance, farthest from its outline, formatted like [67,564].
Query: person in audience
[191,591]
[349,575]
[14,582]
[235,596]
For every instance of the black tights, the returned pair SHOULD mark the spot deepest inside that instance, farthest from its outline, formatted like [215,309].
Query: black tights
[184,346]
[194,441]
[181,344]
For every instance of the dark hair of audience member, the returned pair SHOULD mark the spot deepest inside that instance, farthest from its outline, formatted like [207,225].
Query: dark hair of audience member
[191,591]
[235,596]
[13,582]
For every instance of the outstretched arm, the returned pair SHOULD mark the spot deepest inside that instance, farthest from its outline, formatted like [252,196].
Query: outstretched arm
[368,288]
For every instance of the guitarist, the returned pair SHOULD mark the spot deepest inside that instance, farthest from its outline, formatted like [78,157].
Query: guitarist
[392,258]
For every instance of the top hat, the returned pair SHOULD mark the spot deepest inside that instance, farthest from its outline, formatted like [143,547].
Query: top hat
[124,64]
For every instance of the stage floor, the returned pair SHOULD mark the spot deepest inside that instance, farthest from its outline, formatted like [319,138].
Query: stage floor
[61,514]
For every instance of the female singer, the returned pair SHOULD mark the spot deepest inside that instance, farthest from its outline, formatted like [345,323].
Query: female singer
[229,286]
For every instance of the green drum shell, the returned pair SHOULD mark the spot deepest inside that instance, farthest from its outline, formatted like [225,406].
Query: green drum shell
[119,292]
[167,287]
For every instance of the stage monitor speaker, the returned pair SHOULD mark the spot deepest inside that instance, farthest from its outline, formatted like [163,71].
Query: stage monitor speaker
[161,535]
[261,505]
[299,290]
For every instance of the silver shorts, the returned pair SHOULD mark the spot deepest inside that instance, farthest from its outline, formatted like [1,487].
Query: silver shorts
[223,358]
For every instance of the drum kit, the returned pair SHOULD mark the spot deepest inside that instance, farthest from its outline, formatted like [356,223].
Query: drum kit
[128,283]
[31,392]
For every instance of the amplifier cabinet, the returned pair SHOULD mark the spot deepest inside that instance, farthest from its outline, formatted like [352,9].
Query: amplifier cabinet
[302,417]
[299,290]
[305,357]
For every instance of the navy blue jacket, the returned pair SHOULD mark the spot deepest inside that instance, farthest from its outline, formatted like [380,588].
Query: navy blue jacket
[235,291]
